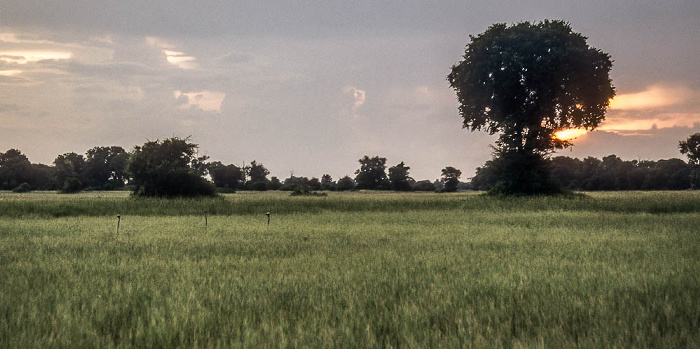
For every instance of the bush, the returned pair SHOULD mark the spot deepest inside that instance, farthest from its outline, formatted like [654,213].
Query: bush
[71,185]
[424,186]
[22,188]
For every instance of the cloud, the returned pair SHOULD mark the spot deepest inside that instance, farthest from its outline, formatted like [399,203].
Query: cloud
[359,96]
[655,96]
[176,58]
[205,100]
[24,57]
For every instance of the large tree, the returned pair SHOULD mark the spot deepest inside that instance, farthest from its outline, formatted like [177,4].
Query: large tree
[15,169]
[399,178]
[372,173]
[167,169]
[105,167]
[526,82]
[691,148]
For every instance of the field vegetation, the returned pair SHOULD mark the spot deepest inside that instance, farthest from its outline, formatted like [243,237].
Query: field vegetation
[352,269]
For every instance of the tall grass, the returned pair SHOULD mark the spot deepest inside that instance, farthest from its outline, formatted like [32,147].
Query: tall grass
[471,272]
[113,203]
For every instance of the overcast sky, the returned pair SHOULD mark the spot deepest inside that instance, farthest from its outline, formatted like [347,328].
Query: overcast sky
[310,87]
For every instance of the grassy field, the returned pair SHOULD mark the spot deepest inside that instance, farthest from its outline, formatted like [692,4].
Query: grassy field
[353,270]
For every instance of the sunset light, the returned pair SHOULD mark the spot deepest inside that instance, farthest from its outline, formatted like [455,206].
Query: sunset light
[568,134]
[24,57]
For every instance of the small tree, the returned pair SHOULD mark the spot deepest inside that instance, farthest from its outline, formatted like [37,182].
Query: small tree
[258,176]
[345,183]
[372,173]
[228,177]
[166,169]
[327,182]
[450,178]
[398,176]
[527,82]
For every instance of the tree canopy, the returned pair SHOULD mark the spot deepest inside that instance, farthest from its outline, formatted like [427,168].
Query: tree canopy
[168,168]
[372,173]
[526,82]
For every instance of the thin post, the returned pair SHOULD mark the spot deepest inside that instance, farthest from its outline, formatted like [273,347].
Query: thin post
[268,218]
[119,219]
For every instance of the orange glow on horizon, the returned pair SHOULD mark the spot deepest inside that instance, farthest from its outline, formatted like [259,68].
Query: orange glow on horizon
[568,134]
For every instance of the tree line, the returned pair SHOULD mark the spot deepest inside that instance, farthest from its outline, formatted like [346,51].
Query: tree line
[172,167]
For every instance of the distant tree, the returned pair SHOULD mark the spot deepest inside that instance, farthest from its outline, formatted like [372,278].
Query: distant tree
[691,148]
[295,183]
[43,177]
[166,169]
[372,173]
[274,183]
[228,177]
[526,82]
[15,169]
[105,167]
[399,178]
[327,182]
[70,170]
[314,184]
[424,186]
[258,176]
[450,178]
[345,183]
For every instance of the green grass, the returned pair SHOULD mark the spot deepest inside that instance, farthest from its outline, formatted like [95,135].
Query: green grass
[350,270]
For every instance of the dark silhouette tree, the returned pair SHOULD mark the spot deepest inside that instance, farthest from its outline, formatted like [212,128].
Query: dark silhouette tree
[450,178]
[105,167]
[424,185]
[526,82]
[167,169]
[227,177]
[372,173]
[15,169]
[345,183]
[258,176]
[70,170]
[327,182]
[691,148]
[399,178]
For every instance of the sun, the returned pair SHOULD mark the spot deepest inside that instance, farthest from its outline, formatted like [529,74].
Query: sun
[570,133]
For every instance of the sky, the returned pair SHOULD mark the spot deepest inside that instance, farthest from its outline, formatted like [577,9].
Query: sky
[309,87]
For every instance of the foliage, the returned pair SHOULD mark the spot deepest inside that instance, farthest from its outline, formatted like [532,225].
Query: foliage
[327,182]
[258,176]
[691,148]
[526,82]
[450,178]
[105,167]
[71,185]
[345,183]
[69,166]
[372,173]
[231,177]
[15,169]
[423,186]
[166,169]
[22,188]
[399,178]
[610,173]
